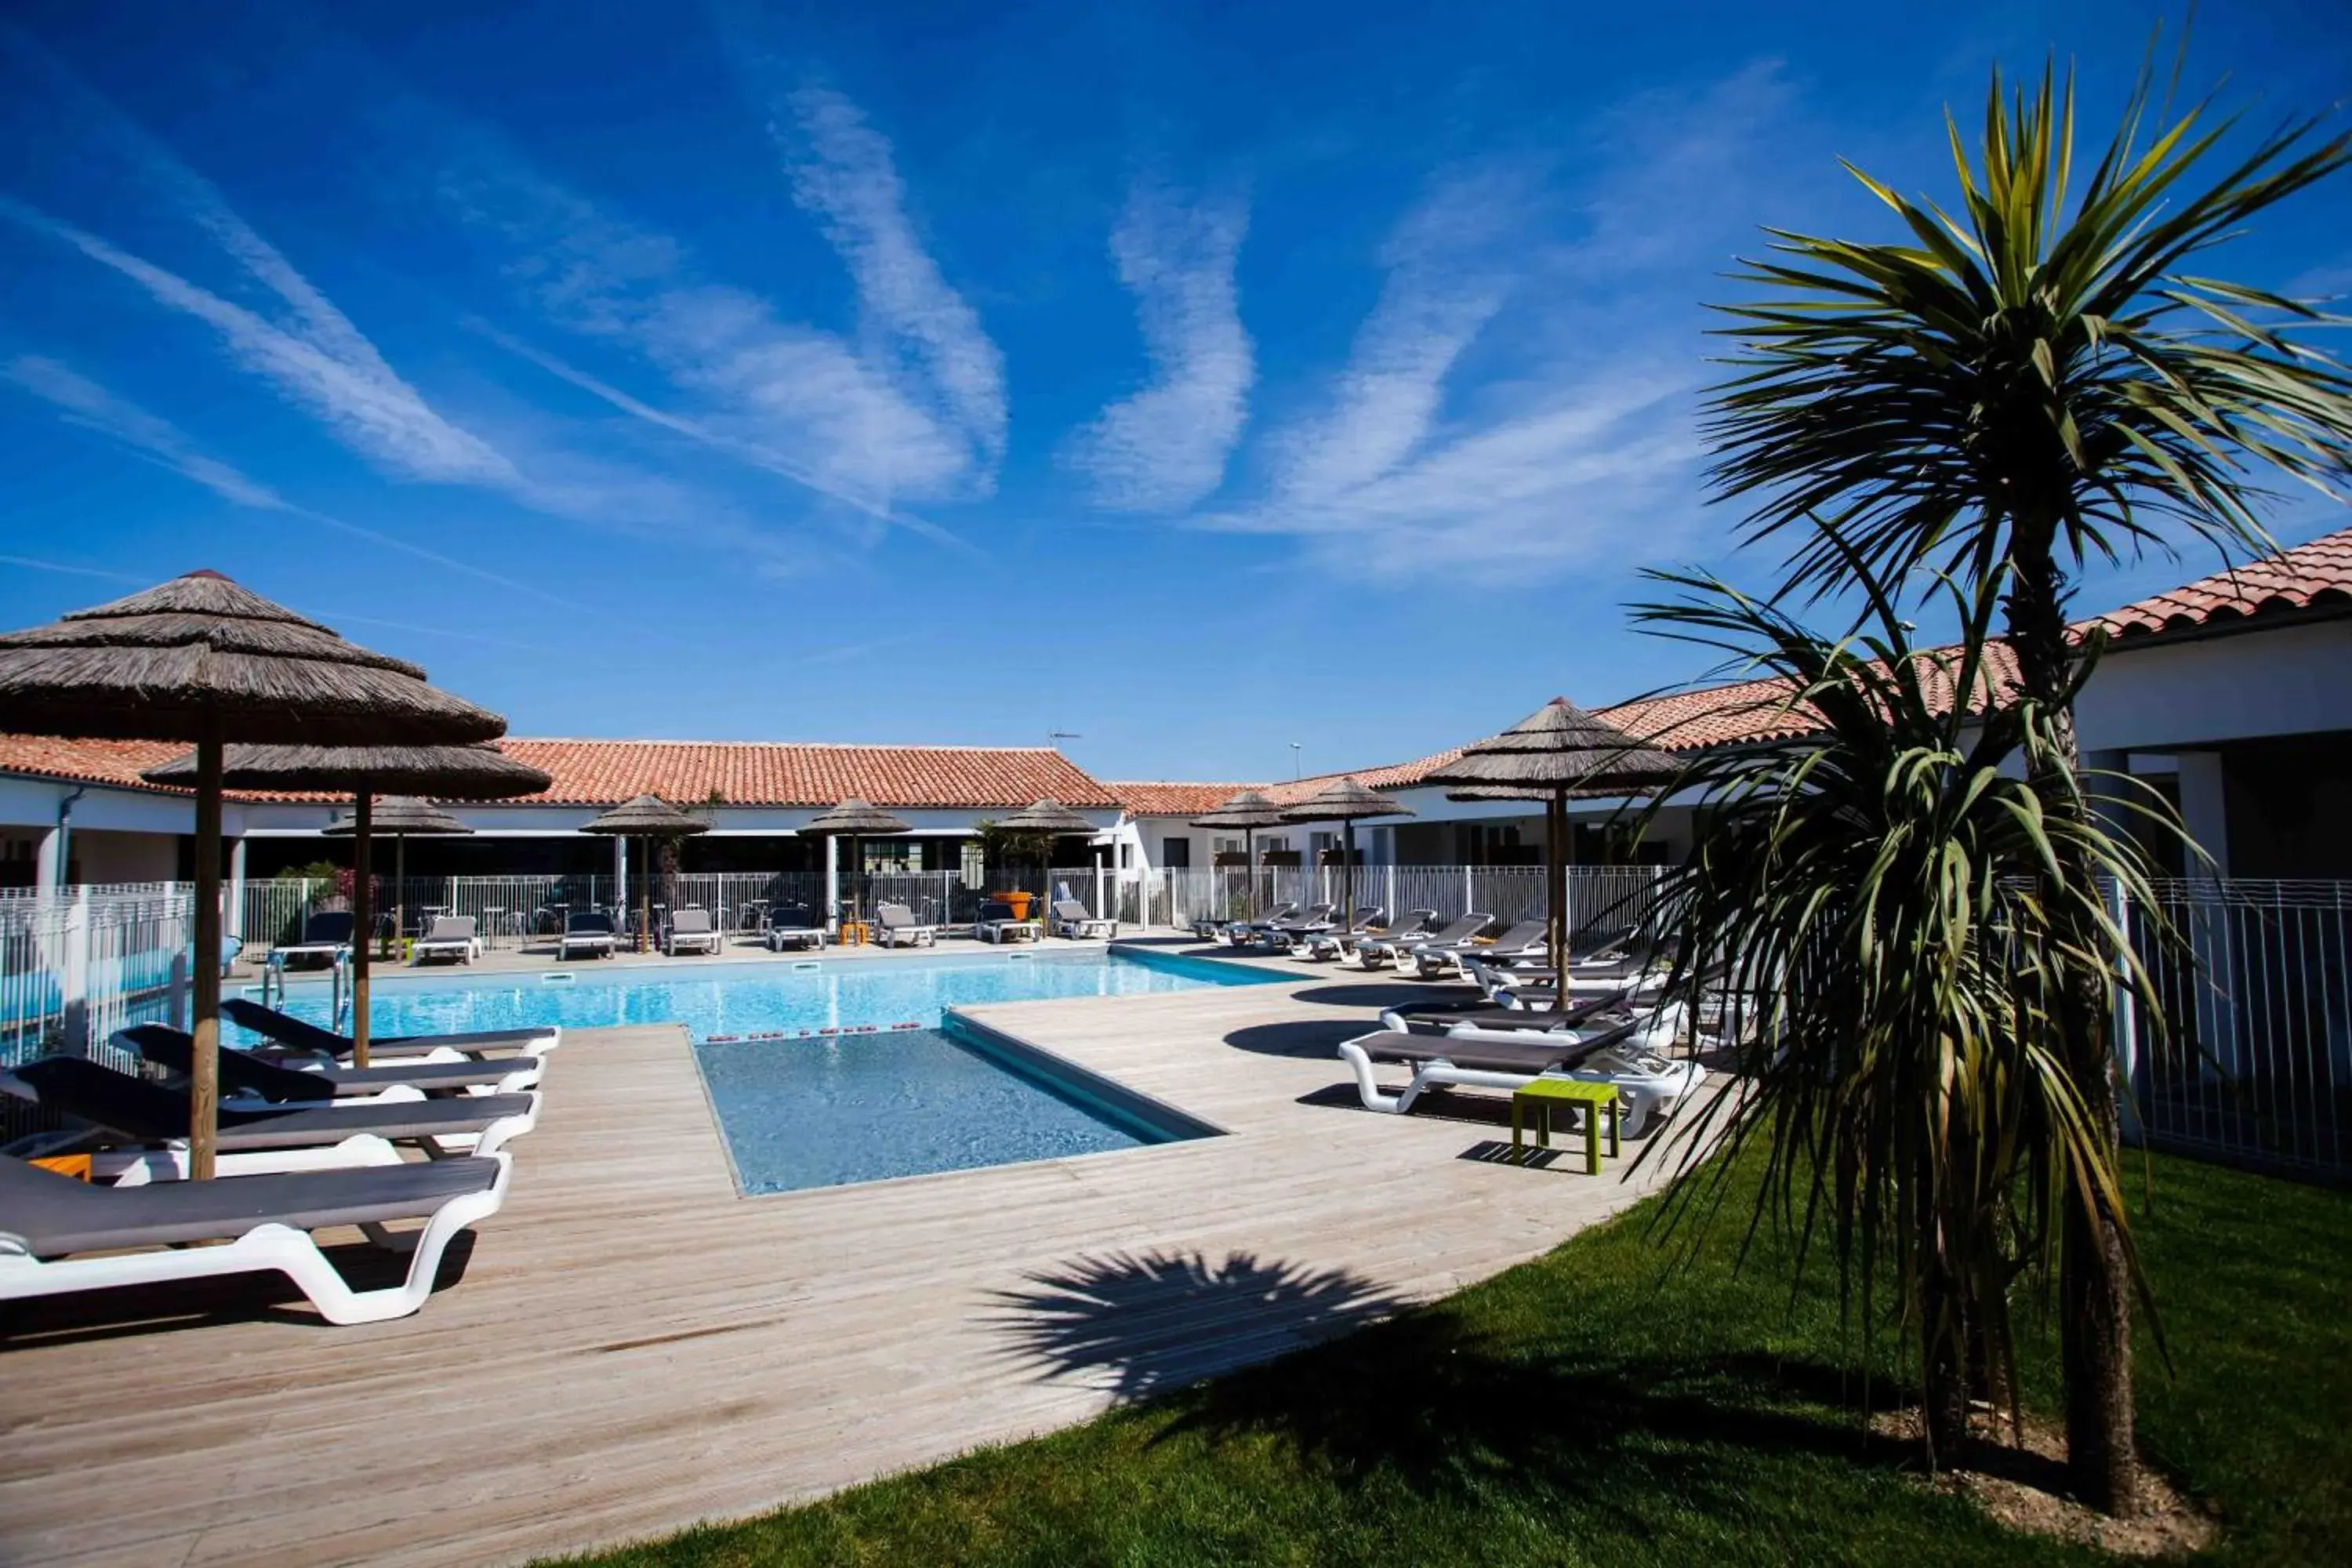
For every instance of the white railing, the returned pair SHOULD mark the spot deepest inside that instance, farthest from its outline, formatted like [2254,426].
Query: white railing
[76,966]
[2256,1066]
[1602,900]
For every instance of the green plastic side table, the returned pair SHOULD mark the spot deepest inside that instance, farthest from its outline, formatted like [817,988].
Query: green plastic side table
[1596,1098]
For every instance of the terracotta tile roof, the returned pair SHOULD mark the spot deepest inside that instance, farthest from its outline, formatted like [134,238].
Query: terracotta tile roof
[2314,576]
[1157,798]
[603,773]
[594,772]
[1149,797]
[117,762]
[1751,710]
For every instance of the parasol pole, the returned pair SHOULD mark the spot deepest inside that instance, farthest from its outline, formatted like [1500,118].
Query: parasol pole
[1555,891]
[645,892]
[204,1064]
[1346,874]
[362,920]
[399,889]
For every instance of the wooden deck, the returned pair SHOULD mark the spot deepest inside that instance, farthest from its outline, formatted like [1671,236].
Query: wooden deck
[631,1348]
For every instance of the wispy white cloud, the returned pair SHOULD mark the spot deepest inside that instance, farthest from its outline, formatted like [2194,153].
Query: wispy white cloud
[311,360]
[67,568]
[751,452]
[1518,403]
[844,174]
[84,403]
[1165,446]
[913,408]
[317,357]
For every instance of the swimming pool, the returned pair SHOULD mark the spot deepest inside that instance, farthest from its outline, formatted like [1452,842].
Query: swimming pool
[832,1071]
[833,1110]
[767,998]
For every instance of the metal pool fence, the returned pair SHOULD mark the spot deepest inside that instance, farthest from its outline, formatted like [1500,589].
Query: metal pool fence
[1602,900]
[2255,1067]
[76,966]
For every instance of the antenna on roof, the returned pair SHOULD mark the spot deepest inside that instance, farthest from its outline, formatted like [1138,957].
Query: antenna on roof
[1053,735]
[1296,763]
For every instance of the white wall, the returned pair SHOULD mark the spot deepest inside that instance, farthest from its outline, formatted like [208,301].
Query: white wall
[105,855]
[2283,680]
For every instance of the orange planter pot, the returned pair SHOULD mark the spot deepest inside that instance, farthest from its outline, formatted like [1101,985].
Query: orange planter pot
[1020,902]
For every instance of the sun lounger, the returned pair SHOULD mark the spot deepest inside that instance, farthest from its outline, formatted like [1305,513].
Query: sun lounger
[1235,931]
[1392,949]
[49,1222]
[1073,920]
[895,923]
[296,1034]
[791,925]
[1442,1015]
[1340,943]
[270,1137]
[586,931]
[326,934]
[1292,935]
[1269,932]
[1630,1055]
[996,924]
[243,1072]
[691,928]
[1524,940]
[449,936]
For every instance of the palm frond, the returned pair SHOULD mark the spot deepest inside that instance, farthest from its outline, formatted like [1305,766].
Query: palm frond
[1897,914]
[2038,357]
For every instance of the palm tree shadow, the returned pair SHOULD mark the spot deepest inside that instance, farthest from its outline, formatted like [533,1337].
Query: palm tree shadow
[1428,1402]
[1149,1324]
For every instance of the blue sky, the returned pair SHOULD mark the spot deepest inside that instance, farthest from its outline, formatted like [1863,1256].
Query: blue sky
[1271,374]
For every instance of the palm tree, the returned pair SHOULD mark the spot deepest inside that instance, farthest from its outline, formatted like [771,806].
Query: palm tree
[1891,894]
[2038,380]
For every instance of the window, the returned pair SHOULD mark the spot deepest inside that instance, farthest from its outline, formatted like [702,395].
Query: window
[974,869]
[1176,854]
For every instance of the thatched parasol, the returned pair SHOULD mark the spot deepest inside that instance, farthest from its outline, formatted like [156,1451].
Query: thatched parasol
[405,817]
[1051,817]
[199,659]
[647,816]
[1558,750]
[1248,811]
[402,817]
[1344,801]
[453,773]
[855,819]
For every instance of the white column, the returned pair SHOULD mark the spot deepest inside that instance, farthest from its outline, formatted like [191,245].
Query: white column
[2204,809]
[49,863]
[620,874]
[831,881]
[235,925]
[2213,922]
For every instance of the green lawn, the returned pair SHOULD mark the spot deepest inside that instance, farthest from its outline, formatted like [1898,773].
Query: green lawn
[1586,1408]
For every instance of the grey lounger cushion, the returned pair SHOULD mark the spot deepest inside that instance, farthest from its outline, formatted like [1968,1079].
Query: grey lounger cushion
[1537,1055]
[288,1030]
[152,1113]
[55,1216]
[243,1072]
[1482,1016]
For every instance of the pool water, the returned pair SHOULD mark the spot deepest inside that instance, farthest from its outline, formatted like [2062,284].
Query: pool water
[740,999]
[830,1072]
[904,1102]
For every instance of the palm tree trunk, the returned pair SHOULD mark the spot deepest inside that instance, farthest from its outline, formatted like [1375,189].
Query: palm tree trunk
[2094,1277]
[1943,1336]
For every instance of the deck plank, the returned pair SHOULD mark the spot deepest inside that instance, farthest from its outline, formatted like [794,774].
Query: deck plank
[633,1348]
